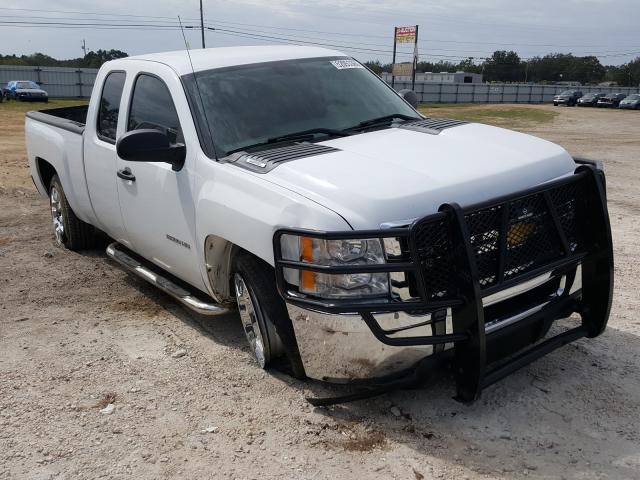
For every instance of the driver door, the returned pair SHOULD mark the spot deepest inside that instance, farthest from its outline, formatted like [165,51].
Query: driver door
[157,202]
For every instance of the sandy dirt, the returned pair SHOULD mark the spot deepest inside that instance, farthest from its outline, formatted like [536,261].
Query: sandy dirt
[76,333]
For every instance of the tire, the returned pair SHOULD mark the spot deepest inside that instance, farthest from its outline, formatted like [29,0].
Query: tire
[264,315]
[555,104]
[70,232]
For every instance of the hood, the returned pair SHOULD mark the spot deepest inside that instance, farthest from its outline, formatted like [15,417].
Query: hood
[397,175]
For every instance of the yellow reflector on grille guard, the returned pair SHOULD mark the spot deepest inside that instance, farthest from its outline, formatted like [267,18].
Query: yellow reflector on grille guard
[518,233]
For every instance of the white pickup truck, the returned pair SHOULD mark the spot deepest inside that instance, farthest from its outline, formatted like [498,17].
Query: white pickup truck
[359,239]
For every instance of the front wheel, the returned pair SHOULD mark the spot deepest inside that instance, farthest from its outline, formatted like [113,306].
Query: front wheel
[263,314]
[69,230]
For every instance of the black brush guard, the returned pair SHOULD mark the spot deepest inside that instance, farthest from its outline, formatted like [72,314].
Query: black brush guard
[456,257]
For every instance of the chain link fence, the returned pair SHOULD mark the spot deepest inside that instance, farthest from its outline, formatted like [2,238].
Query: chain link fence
[428,92]
[60,82]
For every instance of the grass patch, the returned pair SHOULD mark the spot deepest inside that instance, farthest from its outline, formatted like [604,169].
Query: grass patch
[509,116]
[15,106]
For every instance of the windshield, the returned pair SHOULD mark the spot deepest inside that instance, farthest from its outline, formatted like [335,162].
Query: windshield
[567,92]
[26,85]
[250,104]
[633,97]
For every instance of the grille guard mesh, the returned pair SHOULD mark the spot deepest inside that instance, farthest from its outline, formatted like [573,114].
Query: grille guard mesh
[458,256]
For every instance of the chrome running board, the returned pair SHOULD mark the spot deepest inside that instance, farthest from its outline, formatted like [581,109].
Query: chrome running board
[118,253]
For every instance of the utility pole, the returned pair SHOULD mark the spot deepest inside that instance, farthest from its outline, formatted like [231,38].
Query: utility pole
[393,62]
[202,23]
[415,61]
[84,47]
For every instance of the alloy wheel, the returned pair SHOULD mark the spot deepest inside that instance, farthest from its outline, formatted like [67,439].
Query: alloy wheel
[56,214]
[251,318]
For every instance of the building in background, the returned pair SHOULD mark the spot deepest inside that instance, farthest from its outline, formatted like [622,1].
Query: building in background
[442,77]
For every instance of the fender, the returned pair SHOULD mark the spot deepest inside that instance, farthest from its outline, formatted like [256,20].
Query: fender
[237,209]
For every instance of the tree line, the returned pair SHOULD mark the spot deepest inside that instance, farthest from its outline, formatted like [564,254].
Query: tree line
[502,66]
[90,60]
[507,66]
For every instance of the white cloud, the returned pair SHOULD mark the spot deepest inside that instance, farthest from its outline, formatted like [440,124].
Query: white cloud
[455,27]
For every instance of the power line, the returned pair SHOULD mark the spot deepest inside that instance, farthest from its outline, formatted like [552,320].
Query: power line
[86,24]
[296,40]
[422,44]
[430,41]
[252,34]
[169,26]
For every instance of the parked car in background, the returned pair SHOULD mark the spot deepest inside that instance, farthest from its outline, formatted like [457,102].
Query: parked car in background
[611,100]
[631,102]
[590,99]
[25,91]
[568,97]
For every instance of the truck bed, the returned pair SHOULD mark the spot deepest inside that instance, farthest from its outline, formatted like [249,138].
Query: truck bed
[72,119]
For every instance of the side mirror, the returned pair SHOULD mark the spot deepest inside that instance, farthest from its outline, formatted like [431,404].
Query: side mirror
[150,145]
[410,97]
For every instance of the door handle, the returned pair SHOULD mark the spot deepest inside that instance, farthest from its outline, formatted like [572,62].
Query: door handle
[126,174]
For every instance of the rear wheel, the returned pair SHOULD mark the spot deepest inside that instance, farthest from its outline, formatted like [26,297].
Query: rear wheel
[70,232]
[263,314]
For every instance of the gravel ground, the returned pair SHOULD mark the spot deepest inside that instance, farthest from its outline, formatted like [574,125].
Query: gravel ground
[78,334]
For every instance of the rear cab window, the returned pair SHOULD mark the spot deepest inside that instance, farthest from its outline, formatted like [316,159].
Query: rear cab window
[110,106]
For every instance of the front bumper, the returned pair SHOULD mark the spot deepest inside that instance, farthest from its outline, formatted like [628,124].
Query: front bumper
[628,106]
[32,98]
[342,348]
[453,266]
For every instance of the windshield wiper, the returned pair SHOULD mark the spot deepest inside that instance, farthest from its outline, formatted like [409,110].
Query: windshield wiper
[383,120]
[304,134]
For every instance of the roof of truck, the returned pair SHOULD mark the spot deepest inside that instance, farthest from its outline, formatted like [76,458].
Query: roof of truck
[208,58]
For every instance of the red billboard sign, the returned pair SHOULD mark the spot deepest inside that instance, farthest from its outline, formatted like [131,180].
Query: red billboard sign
[406,34]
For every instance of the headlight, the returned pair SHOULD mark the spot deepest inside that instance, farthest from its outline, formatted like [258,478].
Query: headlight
[317,251]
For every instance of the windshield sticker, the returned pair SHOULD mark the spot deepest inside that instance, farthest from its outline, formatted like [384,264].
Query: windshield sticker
[344,64]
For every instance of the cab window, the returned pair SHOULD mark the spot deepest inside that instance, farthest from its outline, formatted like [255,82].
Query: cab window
[152,107]
[110,106]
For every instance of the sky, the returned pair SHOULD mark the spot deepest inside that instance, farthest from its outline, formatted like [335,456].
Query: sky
[448,30]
